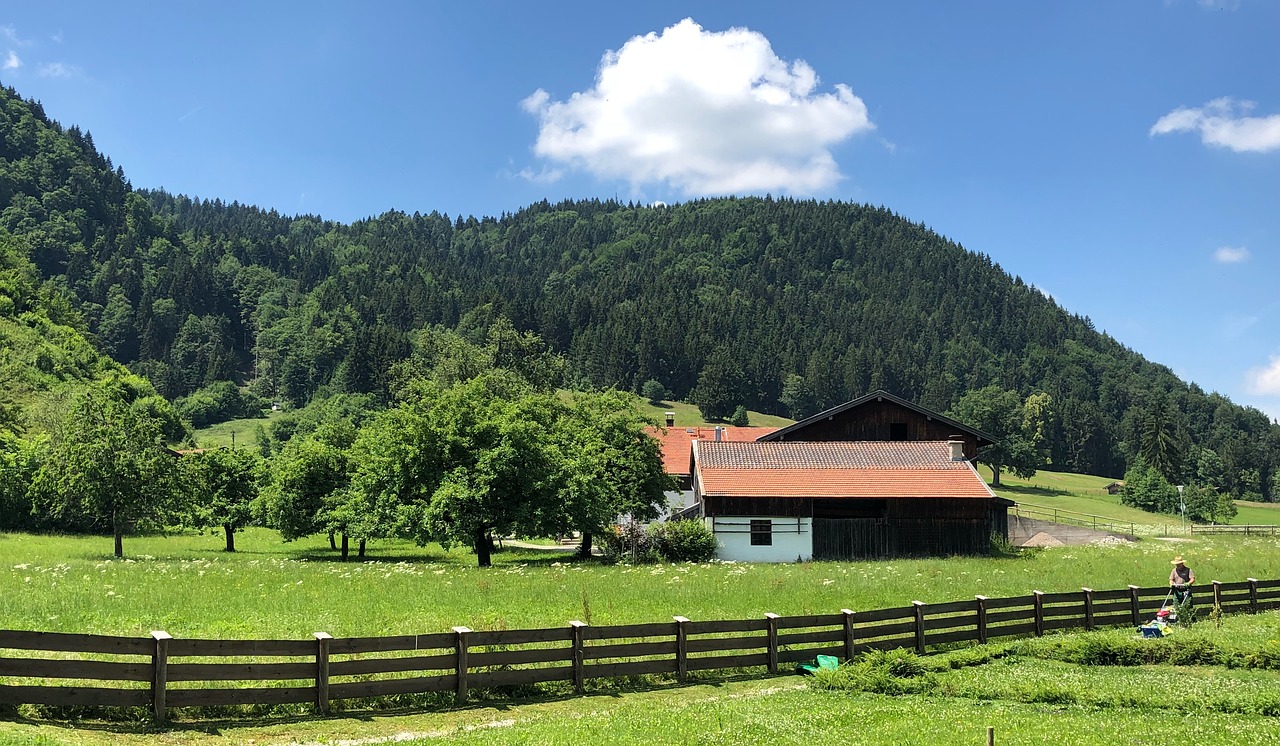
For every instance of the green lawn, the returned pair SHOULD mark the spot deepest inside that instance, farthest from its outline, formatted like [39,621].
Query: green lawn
[687,415]
[1083,493]
[187,586]
[241,432]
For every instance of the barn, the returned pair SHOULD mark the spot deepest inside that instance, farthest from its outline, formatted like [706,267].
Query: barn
[872,478]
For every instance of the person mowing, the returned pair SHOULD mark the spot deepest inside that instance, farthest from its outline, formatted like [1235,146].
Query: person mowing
[1181,578]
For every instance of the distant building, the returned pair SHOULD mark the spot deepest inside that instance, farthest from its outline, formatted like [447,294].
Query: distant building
[875,477]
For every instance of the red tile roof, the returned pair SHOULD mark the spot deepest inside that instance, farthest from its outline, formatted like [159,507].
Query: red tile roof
[860,469]
[677,442]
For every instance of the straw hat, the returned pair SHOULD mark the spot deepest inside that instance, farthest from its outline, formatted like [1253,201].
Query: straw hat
[1178,560]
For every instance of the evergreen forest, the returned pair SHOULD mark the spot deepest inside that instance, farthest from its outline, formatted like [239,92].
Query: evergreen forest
[204,310]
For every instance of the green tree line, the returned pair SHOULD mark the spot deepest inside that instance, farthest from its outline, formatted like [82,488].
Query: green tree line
[775,305]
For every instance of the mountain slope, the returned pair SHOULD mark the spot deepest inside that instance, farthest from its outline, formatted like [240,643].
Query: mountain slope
[837,298]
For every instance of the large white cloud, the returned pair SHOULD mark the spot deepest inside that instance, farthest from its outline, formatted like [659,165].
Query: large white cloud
[705,112]
[1266,380]
[1224,122]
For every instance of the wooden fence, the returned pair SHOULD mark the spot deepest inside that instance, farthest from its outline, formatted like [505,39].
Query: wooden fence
[1240,528]
[161,672]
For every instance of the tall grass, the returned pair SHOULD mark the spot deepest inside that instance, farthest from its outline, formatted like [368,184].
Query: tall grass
[187,586]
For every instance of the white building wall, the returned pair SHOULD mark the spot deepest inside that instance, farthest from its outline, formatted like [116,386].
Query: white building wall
[792,539]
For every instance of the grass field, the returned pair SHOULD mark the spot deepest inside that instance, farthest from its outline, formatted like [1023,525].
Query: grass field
[241,433]
[687,415]
[188,587]
[1082,493]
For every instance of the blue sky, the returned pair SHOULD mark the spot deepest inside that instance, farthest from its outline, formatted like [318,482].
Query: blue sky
[1123,157]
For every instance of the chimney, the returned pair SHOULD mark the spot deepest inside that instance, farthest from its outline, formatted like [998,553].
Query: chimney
[957,447]
[719,432]
[671,419]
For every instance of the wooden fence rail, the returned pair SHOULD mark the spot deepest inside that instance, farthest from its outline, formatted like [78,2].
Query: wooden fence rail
[162,672]
[1239,528]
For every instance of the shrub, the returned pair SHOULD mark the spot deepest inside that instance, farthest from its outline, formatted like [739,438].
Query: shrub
[683,541]
[740,417]
[628,542]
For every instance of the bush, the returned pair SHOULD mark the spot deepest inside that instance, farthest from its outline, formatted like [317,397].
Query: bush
[683,541]
[740,417]
[628,542]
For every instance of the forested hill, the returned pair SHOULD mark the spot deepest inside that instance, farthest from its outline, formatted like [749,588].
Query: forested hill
[830,300]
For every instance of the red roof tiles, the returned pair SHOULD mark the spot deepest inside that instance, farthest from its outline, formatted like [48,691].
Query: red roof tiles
[677,442]
[859,469]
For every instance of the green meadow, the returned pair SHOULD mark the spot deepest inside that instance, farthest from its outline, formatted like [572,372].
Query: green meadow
[187,586]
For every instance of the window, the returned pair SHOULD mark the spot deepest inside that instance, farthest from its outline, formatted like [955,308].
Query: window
[762,533]
[897,431]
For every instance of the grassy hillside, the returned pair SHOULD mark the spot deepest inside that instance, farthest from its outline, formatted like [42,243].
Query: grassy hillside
[687,415]
[1083,493]
[240,432]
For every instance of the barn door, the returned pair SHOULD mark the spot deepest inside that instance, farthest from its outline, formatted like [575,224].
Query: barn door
[850,538]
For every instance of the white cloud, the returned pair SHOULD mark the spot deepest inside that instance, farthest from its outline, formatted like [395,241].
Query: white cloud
[11,34]
[706,112]
[1230,254]
[1224,122]
[1266,380]
[58,70]
[12,62]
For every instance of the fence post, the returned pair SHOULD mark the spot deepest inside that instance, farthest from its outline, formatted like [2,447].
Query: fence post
[771,624]
[1253,595]
[919,609]
[982,619]
[1133,606]
[1038,602]
[322,671]
[682,648]
[160,672]
[848,633]
[575,630]
[1217,594]
[460,644]
[1088,608]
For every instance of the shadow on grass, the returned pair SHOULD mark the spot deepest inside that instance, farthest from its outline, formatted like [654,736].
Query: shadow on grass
[1034,490]
[224,725]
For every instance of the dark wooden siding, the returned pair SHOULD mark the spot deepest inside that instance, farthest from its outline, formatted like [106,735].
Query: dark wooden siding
[782,507]
[874,421]
[877,529]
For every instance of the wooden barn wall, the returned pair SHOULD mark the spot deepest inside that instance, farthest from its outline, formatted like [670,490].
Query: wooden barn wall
[782,507]
[871,421]
[877,529]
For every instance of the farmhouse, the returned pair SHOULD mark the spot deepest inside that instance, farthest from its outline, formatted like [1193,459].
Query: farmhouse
[875,477]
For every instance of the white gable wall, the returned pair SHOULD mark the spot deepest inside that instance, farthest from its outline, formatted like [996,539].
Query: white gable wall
[792,539]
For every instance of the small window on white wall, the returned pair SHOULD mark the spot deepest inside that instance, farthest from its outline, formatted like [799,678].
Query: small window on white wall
[762,533]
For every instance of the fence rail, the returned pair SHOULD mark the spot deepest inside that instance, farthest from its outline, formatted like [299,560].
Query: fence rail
[159,673]
[1071,517]
[1247,530]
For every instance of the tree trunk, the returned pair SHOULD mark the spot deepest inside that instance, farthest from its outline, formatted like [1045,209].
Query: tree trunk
[332,544]
[360,554]
[231,536]
[584,549]
[346,550]
[484,545]
[117,531]
[995,475]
